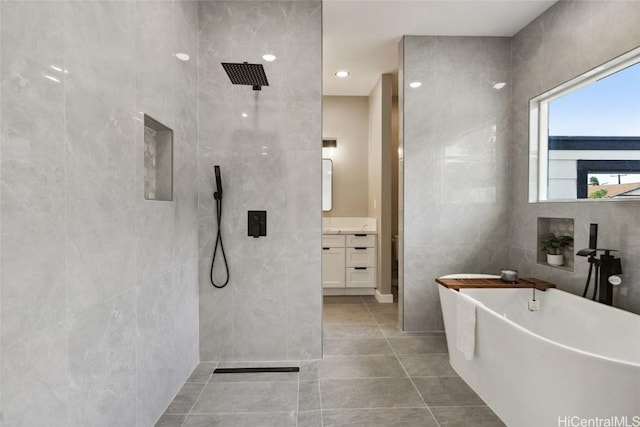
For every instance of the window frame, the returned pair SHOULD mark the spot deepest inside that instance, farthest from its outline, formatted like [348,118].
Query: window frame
[539,125]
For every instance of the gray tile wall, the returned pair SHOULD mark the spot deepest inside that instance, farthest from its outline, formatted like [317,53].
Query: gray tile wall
[99,321]
[570,38]
[270,160]
[456,165]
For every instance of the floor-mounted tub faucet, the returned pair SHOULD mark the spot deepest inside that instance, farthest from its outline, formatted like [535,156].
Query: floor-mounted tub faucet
[610,267]
[607,267]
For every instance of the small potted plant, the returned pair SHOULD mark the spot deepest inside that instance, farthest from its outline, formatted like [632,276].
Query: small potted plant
[554,245]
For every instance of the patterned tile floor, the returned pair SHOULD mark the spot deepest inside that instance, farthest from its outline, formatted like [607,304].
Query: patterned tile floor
[372,375]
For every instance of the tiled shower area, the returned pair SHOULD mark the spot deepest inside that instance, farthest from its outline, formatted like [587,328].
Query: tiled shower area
[372,375]
[113,115]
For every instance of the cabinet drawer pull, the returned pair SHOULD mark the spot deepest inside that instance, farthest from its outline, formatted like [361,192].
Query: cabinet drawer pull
[360,249]
[360,268]
[325,249]
[360,235]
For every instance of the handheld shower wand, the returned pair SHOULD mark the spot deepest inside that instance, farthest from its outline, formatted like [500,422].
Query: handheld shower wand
[218,199]
[218,194]
[590,253]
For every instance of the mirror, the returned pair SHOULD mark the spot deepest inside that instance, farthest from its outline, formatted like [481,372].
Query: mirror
[327,184]
[584,140]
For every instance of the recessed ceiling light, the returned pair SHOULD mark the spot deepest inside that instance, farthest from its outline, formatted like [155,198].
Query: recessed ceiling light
[269,57]
[415,84]
[342,74]
[499,85]
[182,56]
[245,115]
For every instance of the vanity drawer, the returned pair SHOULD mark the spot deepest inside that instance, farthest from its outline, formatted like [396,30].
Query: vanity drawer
[333,241]
[361,240]
[361,277]
[361,257]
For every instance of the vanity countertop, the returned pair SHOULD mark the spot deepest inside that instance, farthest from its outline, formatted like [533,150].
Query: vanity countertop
[349,225]
[347,231]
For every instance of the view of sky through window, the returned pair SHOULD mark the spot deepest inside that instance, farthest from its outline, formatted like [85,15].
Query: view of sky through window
[607,107]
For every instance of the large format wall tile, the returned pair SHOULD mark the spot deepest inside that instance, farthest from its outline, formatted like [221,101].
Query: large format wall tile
[155,350]
[100,199]
[456,169]
[188,11]
[155,64]
[186,337]
[34,30]
[270,160]
[155,74]
[186,143]
[33,196]
[102,363]
[35,380]
[33,372]
[99,50]
[260,317]
[155,225]
[569,39]
[99,320]
[185,193]
[303,312]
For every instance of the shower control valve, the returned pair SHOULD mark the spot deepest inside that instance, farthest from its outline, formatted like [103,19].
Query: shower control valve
[257,223]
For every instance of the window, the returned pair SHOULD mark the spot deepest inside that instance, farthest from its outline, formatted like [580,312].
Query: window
[585,135]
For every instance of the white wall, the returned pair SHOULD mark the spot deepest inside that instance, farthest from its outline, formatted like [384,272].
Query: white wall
[346,118]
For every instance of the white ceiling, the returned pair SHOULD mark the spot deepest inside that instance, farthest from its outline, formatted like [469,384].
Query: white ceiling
[362,36]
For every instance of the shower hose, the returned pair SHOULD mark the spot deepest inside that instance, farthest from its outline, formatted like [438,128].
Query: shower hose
[596,280]
[219,243]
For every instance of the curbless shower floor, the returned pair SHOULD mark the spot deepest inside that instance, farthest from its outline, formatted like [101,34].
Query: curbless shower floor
[372,374]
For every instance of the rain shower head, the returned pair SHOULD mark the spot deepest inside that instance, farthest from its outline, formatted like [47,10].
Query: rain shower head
[246,74]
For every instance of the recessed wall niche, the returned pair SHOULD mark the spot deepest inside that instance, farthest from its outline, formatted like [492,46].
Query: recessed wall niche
[158,160]
[559,227]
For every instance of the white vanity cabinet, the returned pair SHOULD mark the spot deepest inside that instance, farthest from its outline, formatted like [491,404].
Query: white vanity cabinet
[333,261]
[349,264]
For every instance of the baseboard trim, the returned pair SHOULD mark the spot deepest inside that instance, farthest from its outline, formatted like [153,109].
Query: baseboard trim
[384,298]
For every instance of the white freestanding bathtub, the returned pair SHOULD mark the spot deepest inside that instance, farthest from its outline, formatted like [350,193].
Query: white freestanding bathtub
[573,359]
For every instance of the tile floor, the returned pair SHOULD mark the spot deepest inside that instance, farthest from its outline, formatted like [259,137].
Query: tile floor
[372,375]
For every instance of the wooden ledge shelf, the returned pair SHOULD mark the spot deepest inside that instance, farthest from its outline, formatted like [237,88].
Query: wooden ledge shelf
[457,284]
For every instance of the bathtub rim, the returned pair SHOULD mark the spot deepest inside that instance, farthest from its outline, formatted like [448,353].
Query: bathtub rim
[469,276]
